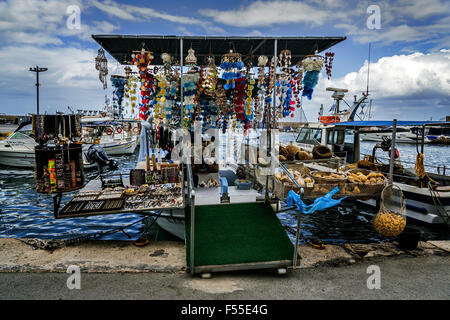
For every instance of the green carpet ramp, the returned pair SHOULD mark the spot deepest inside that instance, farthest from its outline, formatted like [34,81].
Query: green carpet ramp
[237,234]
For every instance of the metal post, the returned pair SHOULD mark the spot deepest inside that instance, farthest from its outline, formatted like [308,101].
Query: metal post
[181,82]
[271,124]
[37,91]
[275,53]
[297,238]
[423,139]
[37,70]
[392,156]
[192,249]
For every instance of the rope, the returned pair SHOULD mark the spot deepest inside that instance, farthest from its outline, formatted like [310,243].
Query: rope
[419,166]
[55,244]
[438,204]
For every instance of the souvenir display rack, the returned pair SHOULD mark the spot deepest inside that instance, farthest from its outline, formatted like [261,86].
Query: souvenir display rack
[58,157]
[160,189]
[238,98]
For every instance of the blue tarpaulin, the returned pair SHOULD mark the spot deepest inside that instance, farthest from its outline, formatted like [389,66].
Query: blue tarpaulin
[319,204]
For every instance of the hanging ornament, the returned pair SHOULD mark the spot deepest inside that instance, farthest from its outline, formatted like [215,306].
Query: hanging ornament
[101,64]
[285,61]
[142,61]
[329,56]
[298,84]
[191,59]
[167,61]
[312,65]
[208,76]
[231,64]
[118,82]
[190,91]
[262,62]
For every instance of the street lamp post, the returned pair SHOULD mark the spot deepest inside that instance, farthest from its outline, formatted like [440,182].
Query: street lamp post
[37,70]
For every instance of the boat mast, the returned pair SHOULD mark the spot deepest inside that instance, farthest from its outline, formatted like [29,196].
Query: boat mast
[368,70]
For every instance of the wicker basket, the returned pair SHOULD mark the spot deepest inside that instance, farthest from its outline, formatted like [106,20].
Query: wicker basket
[321,189]
[367,188]
[329,180]
[282,188]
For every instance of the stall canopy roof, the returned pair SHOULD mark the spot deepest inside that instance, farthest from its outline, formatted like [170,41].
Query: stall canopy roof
[389,123]
[122,46]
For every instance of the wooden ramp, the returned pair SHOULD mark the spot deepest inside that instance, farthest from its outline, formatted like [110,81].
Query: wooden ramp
[240,236]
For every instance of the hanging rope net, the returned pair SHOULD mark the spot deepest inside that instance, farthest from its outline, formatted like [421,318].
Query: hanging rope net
[390,220]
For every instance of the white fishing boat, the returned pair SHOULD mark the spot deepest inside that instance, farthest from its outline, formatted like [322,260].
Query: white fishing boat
[403,135]
[116,138]
[17,150]
[424,202]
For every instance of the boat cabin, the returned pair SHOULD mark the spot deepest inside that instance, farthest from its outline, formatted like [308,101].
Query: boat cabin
[342,141]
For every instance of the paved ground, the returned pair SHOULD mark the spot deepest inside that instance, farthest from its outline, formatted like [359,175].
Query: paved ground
[403,277]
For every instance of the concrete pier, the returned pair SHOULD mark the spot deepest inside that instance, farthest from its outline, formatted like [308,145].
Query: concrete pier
[124,256]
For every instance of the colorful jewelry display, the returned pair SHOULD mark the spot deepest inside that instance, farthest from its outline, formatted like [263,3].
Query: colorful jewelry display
[231,65]
[329,56]
[130,89]
[298,84]
[190,91]
[142,61]
[285,61]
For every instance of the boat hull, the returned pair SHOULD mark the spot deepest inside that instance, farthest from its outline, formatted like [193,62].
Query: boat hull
[420,205]
[17,159]
[26,159]
[400,138]
[174,226]
[120,148]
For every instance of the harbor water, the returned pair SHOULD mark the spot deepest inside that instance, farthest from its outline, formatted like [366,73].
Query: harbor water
[27,214]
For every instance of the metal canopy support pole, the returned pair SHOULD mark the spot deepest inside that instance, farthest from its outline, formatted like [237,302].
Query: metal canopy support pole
[297,235]
[297,238]
[275,62]
[271,124]
[191,194]
[392,156]
[181,81]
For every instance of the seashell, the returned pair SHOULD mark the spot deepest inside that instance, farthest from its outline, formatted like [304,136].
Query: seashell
[262,61]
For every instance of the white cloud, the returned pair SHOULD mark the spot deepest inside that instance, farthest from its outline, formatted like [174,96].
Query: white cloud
[404,75]
[264,13]
[42,22]
[402,86]
[146,14]
[135,13]
[71,78]
[407,21]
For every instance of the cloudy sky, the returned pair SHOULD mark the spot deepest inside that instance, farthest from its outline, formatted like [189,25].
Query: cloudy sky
[410,57]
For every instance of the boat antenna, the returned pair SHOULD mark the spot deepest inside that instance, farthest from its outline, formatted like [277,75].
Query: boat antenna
[368,69]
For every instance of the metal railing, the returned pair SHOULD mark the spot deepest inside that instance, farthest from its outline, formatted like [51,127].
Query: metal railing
[191,197]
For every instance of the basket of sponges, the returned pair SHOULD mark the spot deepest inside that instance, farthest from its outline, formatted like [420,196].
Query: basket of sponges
[365,182]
